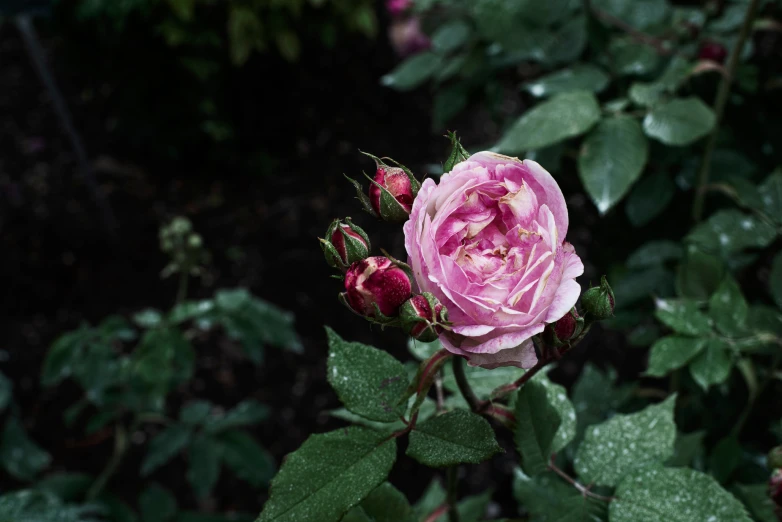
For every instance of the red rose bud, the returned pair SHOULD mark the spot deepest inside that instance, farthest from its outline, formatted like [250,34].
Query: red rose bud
[392,193]
[598,302]
[345,244]
[419,321]
[713,51]
[376,284]
[569,326]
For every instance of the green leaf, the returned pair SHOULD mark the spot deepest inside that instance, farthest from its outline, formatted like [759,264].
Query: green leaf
[725,457]
[450,36]
[537,422]
[19,455]
[195,412]
[638,14]
[473,508]
[246,413]
[157,504]
[672,352]
[203,467]
[384,504]
[729,231]
[679,122]
[458,436]
[557,397]
[627,443]
[548,499]
[148,318]
[68,487]
[580,77]
[328,475]
[561,117]
[432,498]
[674,495]
[683,316]
[164,446]
[64,353]
[729,309]
[687,448]
[775,279]
[654,253]
[481,380]
[756,499]
[369,382]
[629,57]
[412,72]
[246,458]
[37,506]
[699,274]
[596,396]
[611,159]
[713,365]
[649,198]
[646,94]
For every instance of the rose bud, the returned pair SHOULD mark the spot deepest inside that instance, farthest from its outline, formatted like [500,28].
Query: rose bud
[397,7]
[568,327]
[346,243]
[419,320]
[598,302]
[713,51]
[775,489]
[392,193]
[375,287]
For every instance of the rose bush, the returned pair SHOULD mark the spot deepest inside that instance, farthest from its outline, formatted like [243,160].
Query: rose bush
[488,242]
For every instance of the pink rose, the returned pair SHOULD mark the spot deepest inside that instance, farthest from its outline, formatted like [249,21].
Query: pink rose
[488,242]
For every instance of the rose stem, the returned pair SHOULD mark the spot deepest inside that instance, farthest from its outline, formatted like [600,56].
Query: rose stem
[573,482]
[719,108]
[452,476]
[461,380]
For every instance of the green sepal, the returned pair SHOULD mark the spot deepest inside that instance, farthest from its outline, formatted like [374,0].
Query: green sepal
[458,153]
[415,185]
[331,254]
[362,197]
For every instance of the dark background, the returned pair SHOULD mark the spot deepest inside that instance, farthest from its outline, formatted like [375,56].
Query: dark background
[260,201]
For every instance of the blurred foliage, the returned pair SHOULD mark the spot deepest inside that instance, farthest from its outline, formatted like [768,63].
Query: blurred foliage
[133,373]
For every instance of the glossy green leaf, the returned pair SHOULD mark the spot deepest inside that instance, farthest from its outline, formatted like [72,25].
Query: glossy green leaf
[561,117]
[654,253]
[596,396]
[729,231]
[203,469]
[458,436]
[482,381]
[771,196]
[148,318]
[627,443]
[384,504]
[729,309]
[548,499]
[683,316]
[537,423]
[713,365]
[629,57]
[725,457]
[649,198]
[687,448]
[328,475]
[679,122]
[164,446]
[450,36]
[674,495]
[19,455]
[639,14]
[646,94]
[195,412]
[699,274]
[672,352]
[369,382]
[157,504]
[37,506]
[611,159]
[755,497]
[557,397]
[412,72]
[581,77]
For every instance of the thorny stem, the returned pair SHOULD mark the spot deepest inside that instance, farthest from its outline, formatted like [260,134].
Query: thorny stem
[452,476]
[584,490]
[476,404]
[719,108]
[120,447]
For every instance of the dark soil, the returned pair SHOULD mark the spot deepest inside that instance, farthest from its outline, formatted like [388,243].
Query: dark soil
[307,122]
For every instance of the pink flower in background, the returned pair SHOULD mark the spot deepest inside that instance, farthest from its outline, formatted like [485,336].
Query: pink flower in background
[488,242]
[397,7]
[407,38]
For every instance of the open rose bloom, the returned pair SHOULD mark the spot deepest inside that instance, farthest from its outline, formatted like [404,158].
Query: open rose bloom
[488,242]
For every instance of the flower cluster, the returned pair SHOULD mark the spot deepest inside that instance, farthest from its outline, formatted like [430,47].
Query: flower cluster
[488,268]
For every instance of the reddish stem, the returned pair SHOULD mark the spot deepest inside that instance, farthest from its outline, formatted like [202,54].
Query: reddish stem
[584,490]
[437,513]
